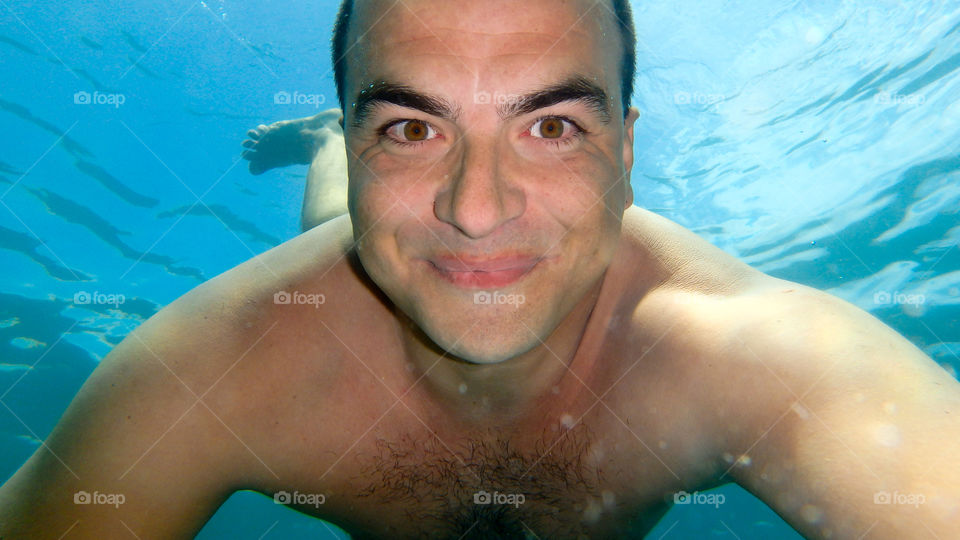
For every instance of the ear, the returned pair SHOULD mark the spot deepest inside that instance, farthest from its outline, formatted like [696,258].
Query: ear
[632,115]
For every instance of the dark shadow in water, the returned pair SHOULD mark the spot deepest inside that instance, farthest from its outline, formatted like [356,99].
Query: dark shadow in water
[857,87]
[41,396]
[79,153]
[6,168]
[69,144]
[83,74]
[853,254]
[105,231]
[859,236]
[934,74]
[878,84]
[132,41]
[91,43]
[27,245]
[142,68]
[43,393]
[952,30]
[803,143]
[865,88]
[225,215]
[18,45]
[114,185]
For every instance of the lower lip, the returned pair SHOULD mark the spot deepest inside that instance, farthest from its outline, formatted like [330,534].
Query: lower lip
[484,280]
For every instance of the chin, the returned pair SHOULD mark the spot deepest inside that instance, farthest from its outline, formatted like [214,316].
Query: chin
[482,340]
[483,352]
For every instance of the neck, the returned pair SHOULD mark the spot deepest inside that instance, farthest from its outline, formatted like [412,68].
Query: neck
[509,389]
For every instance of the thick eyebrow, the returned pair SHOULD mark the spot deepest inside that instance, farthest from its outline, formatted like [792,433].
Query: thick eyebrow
[403,96]
[576,88]
[579,89]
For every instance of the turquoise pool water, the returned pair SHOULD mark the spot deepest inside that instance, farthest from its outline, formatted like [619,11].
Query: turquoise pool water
[819,141]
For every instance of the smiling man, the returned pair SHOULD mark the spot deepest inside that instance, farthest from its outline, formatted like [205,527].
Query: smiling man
[495,343]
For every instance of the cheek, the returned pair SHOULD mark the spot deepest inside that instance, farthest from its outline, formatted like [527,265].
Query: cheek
[372,198]
[574,189]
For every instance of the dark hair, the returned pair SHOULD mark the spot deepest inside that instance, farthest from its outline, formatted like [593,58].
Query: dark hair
[621,12]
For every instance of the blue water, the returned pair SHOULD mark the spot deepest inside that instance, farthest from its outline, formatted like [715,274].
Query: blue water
[819,141]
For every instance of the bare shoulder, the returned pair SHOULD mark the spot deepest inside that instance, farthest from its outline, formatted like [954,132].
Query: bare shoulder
[842,425]
[162,432]
[817,407]
[742,326]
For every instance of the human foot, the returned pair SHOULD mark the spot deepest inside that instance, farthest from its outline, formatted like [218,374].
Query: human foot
[288,142]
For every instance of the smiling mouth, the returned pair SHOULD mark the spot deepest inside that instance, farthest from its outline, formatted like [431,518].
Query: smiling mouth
[483,274]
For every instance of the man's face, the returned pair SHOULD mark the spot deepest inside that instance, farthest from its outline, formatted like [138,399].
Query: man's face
[488,163]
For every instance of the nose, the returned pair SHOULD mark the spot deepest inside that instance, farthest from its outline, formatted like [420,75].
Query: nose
[478,198]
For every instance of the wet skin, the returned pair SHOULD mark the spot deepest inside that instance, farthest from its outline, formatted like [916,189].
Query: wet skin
[641,361]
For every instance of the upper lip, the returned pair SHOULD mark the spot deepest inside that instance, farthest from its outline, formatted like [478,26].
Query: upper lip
[465,263]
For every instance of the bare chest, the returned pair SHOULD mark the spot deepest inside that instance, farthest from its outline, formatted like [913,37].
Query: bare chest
[579,482]
[584,468]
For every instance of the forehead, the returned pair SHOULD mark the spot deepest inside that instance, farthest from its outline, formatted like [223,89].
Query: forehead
[496,43]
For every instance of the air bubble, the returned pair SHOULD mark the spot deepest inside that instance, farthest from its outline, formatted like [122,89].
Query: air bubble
[887,435]
[811,514]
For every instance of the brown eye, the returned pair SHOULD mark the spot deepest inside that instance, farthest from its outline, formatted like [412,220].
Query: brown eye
[415,130]
[551,128]
[409,132]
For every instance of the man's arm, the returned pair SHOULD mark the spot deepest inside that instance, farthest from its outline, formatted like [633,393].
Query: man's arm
[857,433]
[135,454]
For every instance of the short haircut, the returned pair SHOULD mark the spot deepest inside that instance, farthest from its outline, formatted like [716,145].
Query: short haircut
[621,12]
